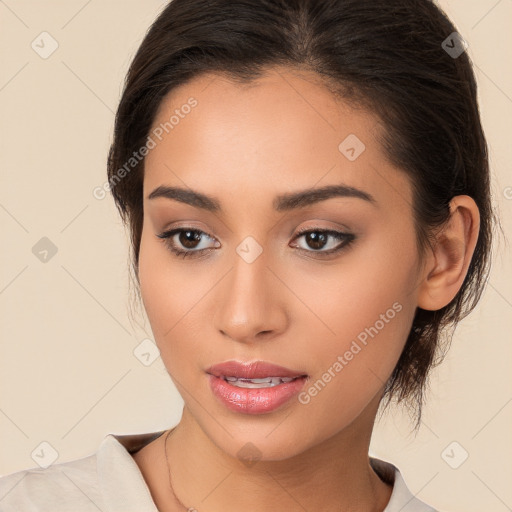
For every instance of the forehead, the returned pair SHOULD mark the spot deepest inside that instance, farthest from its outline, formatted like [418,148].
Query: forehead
[284,131]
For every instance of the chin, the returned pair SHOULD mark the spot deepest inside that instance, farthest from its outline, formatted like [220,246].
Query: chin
[256,440]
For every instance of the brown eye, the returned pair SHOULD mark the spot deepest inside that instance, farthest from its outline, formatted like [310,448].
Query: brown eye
[189,239]
[184,242]
[318,239]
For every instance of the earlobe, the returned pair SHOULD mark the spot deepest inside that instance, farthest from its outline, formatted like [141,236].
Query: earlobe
[453,250]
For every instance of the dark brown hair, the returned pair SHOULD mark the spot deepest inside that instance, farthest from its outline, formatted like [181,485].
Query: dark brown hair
[387,55]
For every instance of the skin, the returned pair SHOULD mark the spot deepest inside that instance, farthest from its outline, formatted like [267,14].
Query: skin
[245,145]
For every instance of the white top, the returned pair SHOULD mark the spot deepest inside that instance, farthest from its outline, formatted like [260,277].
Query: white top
[110,481]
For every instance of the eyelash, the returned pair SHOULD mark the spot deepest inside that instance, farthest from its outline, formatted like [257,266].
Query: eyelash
[346,238]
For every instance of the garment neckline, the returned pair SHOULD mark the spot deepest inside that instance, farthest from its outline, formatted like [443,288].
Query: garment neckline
[135,442]
[136,490]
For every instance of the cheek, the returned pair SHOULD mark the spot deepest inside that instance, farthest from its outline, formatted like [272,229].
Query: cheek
[171,298]
[159,291]
[349,368]
[366,309]
[373,280]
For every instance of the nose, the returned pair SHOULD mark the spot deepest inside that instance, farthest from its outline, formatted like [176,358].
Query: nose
[251,303]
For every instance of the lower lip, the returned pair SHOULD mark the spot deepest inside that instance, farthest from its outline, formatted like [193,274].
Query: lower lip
[254,400]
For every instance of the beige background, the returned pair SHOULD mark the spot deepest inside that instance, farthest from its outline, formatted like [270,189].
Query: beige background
[68,374]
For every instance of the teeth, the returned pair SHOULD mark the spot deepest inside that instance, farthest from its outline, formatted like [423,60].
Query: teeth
[267,382]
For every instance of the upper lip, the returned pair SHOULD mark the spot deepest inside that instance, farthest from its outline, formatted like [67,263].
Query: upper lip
[252,370]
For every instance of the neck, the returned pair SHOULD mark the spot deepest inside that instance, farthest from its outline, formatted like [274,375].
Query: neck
[333,475]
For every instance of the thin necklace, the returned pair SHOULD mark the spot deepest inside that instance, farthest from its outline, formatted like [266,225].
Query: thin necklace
[169,471]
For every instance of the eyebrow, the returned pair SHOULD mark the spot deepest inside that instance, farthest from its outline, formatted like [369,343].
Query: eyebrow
[285,202]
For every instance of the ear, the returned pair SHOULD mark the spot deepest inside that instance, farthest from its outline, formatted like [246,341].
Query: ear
[452,252]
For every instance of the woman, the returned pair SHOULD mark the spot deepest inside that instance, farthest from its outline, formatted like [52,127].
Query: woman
[306,186]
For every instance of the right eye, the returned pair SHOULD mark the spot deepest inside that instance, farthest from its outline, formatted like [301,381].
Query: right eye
[187,238]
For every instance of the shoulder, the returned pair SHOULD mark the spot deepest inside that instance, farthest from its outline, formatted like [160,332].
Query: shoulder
[61,487]
[106,480]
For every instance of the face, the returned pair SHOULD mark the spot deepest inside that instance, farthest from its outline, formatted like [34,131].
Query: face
[322,284]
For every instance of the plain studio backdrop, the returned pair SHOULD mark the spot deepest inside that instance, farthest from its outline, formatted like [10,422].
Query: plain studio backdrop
[71,368]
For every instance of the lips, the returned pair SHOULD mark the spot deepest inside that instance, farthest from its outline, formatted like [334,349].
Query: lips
[256,387]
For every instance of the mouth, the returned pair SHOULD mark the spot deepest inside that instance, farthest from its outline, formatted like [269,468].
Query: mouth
[256,387]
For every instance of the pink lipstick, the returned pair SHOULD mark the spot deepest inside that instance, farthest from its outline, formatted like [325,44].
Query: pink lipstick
[256,387]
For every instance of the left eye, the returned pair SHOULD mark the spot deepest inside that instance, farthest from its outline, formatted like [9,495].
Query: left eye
[318,239]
